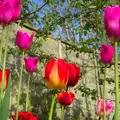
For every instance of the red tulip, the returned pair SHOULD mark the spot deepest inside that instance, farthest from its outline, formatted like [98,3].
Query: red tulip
[6,77]
[74,74]
[31,64]
[56,73]
[25,116]
[112,22]
[23,40]
[9,11]
[106,53]
[65,98]
[100,107]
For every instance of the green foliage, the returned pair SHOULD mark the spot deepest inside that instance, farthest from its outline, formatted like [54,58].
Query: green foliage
[4,108]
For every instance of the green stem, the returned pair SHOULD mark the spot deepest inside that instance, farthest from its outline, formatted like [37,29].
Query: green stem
[19,86]
[104,94]
[1,42]
[27,92]
[116,83]
[4,62]
[62,112]
[52,106]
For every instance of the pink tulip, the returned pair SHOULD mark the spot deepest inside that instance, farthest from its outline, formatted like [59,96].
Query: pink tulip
[9,11]
[112,22]
[30,64]
[23,40]
[74,74]
[106,54]
[100,107]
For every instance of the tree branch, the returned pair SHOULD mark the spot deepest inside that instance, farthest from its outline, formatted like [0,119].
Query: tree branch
[28,14]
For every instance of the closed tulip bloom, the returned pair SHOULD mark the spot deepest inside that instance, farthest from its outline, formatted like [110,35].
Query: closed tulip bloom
[100,107]
[74,74]
[30,64]
[23,40]
[9,11]
[112,22]
[25,116]
[65,98]
[56,73]
[106,53]
[6,77]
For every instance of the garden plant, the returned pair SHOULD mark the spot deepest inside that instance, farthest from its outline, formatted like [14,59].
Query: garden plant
[59,59]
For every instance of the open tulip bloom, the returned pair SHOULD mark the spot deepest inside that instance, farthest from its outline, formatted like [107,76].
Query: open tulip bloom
[65,98]
[9,11]
[56,73]
[74,74]
[25,116]
[6,77]
[30,64]
[23,40]
[100,107]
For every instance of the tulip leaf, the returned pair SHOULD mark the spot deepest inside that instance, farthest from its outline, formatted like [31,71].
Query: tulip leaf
[4,109]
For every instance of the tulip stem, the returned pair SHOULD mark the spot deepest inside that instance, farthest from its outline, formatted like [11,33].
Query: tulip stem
[27,92]
[116,83]
[62,112]
[4,62]
[1,42]
[19,85]
[52,106]
[104,94]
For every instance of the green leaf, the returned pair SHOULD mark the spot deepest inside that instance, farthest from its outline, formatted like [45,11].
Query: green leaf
[4,109]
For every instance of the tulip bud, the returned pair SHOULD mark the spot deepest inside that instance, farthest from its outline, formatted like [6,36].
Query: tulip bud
[74,74]
[100,107]
[25,116]
[65,98]
[23,40]
[112,22]
[6,77]
[30,64]
[106,54]
[56,73]
[9,11]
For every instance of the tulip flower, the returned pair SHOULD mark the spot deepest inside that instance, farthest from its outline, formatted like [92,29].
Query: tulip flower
[65,98]
[100,107]
[56,73]
[25,116]
[74,74]
[6,77]
[112,22]
[9,11]
[23,40]
[106,54]
[30,64]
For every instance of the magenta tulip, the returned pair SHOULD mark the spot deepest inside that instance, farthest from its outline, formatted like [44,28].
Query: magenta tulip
[106,54]
[112,22]
[30,64]
[74,74]
[23,40]
[100,107]
[9,11]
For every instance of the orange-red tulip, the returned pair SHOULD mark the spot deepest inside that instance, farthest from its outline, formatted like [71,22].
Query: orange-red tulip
[6,76]
[56,73]
[25,116]
[65,98]
[74,74]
